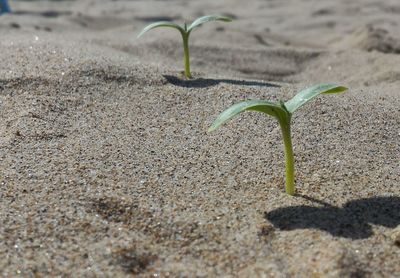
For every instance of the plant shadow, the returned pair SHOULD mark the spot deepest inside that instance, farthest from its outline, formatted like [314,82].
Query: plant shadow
[353,220]
[150,19]
[209,82]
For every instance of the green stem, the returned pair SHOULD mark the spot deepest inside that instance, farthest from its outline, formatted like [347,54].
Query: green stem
[185,37]
[289,156]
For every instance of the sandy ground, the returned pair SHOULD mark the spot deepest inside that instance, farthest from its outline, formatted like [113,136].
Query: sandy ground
[107,168]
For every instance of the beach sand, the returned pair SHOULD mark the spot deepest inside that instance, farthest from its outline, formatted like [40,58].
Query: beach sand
[107,168]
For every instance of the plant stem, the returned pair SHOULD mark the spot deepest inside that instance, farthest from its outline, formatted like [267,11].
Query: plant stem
[185,37]
[289,156]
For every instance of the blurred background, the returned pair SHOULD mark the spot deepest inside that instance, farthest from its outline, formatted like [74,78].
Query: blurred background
[273,25]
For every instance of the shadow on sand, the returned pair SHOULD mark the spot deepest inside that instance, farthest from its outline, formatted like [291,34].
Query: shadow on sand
[50,13]
[209,82]
[353,220]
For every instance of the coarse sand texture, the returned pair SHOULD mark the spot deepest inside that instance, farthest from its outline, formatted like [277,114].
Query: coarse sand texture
[107,168]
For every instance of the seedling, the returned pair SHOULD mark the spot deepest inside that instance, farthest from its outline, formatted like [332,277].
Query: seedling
[282,111]
[185,32]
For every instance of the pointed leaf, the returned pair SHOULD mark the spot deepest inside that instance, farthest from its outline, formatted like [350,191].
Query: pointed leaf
[308,94]
[160,24]
[270,108]
[207,18]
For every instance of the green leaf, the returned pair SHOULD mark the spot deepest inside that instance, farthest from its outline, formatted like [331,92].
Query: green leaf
[161,24]
[207,18]
[270,108]
[308,94]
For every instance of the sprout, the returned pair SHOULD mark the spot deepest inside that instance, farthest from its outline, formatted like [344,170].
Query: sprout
[282,111]
[185,32]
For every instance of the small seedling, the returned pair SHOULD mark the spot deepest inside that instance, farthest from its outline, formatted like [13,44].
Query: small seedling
[185,32]
[282,111]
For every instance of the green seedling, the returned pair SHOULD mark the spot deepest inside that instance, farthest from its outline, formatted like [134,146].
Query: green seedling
[282,111]
[185,32]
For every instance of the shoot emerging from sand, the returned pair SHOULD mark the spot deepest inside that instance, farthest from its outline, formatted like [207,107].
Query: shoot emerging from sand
[185,32]
[282,111]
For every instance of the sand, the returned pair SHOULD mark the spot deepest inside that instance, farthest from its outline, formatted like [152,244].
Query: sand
[107,168]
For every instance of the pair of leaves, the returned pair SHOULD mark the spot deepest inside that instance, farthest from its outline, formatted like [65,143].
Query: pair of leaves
[185,29]
[277,110]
